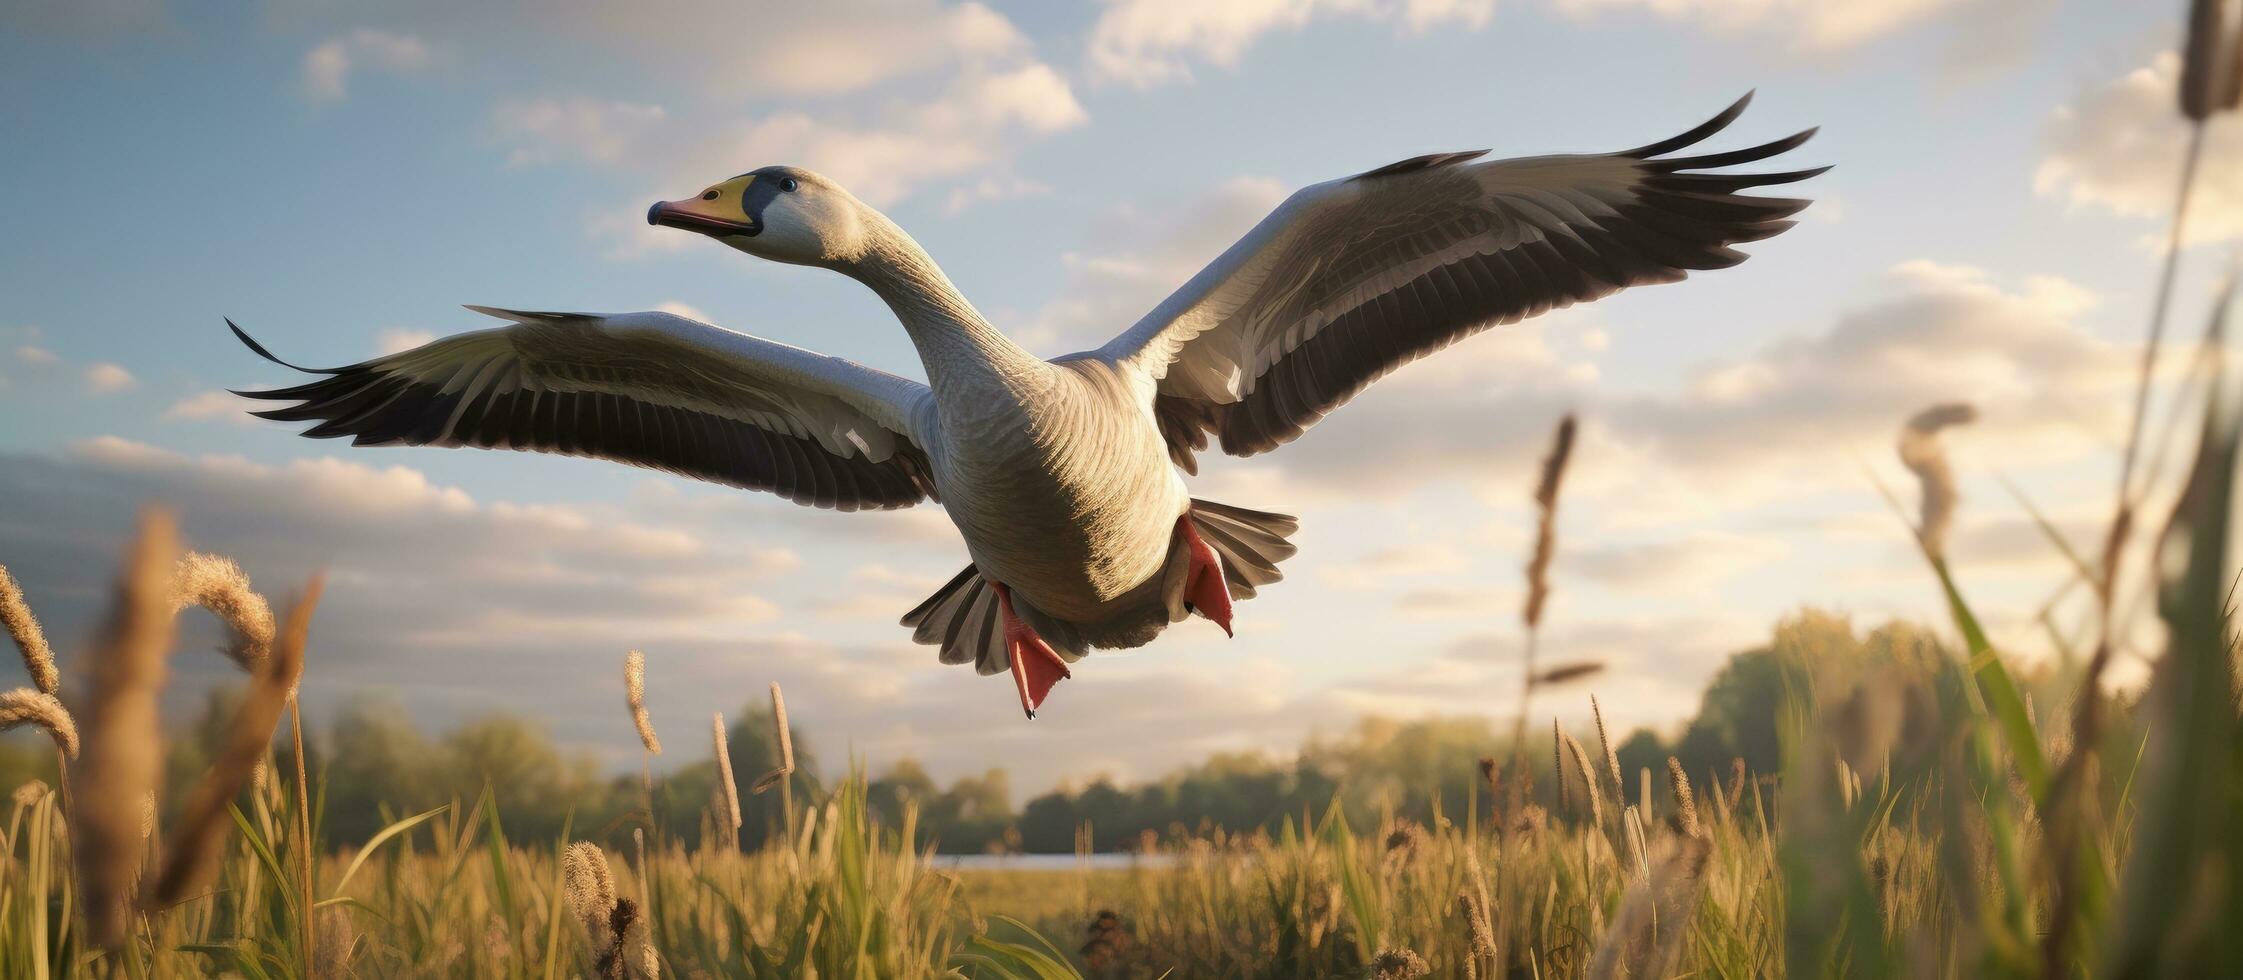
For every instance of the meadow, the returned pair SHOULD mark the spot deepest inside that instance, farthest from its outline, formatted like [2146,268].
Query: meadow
[1921,805]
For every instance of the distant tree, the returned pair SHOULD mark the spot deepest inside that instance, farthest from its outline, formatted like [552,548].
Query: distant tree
[378,760]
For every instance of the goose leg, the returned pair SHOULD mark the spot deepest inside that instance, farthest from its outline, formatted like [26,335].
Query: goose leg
[1205,592]
[1035,668]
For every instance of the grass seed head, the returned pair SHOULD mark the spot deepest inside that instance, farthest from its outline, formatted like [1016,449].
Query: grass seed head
[337,942]
[24,706]
[1686,806]
[1588,779]
[783,738]
[2209,62]
[198,844]
[727,790]
[219,585]
[123,753]
[29,793]
[23,627]
[634,694]
[1611,761]
[590,889]
[1922,453]
[1546,507]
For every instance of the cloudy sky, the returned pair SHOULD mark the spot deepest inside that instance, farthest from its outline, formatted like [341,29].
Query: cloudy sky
[339,177]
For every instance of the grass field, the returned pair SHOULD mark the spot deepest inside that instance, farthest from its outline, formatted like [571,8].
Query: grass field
[1930,816]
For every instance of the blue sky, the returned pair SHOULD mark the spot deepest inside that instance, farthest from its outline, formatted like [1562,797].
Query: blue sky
[340,179]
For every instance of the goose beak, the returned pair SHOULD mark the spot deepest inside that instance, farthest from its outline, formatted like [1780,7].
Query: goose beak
[687,215]
[718,212]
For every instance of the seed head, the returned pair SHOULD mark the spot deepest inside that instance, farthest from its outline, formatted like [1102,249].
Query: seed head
[24,706]
[23,627]
[634,694]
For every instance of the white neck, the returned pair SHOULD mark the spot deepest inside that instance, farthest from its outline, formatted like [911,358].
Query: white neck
[960,350]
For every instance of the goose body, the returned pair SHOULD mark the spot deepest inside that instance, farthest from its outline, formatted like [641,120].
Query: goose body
[1064,477]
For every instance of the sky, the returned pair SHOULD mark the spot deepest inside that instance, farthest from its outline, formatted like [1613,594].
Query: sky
[339,178]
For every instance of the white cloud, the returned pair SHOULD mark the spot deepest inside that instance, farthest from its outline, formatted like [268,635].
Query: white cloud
[2119,148]
[1144,256]
[35,355]
[397,340]
[1150,42]
[964,126]
[1695,562]
[105,378]
[2046,385]
[328,66]
[1815,25]
[1376,569]
[211,405]
[991,188]
[598,131]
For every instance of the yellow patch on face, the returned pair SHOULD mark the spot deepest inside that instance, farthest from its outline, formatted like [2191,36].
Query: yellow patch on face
[720,201]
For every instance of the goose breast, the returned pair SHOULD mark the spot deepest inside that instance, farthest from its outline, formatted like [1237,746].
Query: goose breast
[1065,494]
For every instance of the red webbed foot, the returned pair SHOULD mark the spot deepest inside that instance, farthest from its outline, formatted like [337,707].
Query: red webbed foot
[1204,589]
[1036,668]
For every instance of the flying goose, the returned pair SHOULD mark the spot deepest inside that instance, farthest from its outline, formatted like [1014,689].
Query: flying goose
[1062,476]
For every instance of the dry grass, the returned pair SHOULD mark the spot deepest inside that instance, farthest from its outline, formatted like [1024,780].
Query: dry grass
[123,745]
[634,697]
[23,628]
[219,585]
[24,706]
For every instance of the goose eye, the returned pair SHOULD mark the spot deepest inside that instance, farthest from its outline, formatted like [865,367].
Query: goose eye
[709,195]
[788,184]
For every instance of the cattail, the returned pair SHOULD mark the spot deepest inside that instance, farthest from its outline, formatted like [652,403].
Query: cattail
[2209,66]
[1611,761]
[200,843]
[1545,535]
[219,585]
[124,749]
[1686,807]
[727,789]
[1921,452]
[784,738]
[634,695]
[24,706]
[590,890]
[23,627]
[1588,779]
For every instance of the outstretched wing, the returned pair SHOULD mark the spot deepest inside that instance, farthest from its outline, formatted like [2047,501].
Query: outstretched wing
[649,389]
[1350,279]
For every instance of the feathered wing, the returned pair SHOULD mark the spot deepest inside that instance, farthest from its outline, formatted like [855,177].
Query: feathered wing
[1350,279]
[649,389]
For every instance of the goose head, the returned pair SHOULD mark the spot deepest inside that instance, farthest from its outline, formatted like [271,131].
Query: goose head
[785,214]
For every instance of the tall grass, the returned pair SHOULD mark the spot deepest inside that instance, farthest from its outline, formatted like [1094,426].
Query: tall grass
[1925,818]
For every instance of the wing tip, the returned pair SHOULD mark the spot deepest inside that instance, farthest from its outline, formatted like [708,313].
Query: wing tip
[1695,134]
[260,351]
